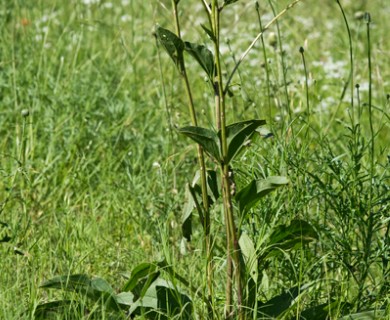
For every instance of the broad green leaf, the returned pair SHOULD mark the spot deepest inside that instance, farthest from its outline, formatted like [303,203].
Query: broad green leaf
[142,276]
[324,311]
[101,285]
[163,301]
[186,223]
[249,252]
[54,309]
[125,299]
[172,44]
[367,315]
[290,237]
[173,302]
[140,271]
[194,200]
[146,306]
[250,195]
[277,305]
[320,312]
[75,282]
[101,289]
[213,186]
[237,134]
[96,289]
[203,56]
[296,229]
[208,139]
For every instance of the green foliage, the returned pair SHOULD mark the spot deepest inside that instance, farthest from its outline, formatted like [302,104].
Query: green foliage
[4,228]
[237,135]
[97,290]
[203,56]
[207,138]
[173,45]
[252,193]
[278,304]
[163,301]
[366,315]
[143,294]
[194,200]
[88,160]
[292,236]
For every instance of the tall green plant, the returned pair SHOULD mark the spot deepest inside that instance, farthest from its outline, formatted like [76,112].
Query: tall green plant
[223,145]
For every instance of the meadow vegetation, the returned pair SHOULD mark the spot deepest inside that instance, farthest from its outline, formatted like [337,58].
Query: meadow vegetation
[100,214]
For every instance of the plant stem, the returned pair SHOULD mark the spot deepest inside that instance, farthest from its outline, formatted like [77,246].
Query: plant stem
[233,250]
[350,59]
[201,163]
[283,63]
[302,52]
[370,218]
[265,60]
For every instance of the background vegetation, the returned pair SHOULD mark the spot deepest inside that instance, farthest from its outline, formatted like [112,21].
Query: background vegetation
[93,175]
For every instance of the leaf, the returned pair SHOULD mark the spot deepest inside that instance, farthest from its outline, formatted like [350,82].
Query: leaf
[76,283]
[163,301]
[194,200]
[277,305]
[249,252]
[212,185]
[172,44]
[101,285]
[203,56]
[125,299]
[209,33]
[208,139]
[366,315]
[250,195]
[96,289]
[142,276]
[190,204]
[320,312]
[173,303]
[227,2]
[290,237]
[237,134]
[52,309]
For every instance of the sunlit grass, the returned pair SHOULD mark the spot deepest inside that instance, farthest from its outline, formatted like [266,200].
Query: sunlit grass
[90,178]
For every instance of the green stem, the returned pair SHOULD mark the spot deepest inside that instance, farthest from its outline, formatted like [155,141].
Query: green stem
[265,60]
[302,52]
[284,66]
[350,59]
[233,250]
[370,218]
[201,163]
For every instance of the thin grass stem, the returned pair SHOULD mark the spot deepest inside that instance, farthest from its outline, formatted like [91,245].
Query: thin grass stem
[259,35]
[283,62]
[302,52]
[266,66]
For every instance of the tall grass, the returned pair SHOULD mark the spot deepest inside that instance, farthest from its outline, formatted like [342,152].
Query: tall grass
[93,173]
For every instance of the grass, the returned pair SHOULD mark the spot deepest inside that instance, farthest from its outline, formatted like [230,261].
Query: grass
[93,182]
